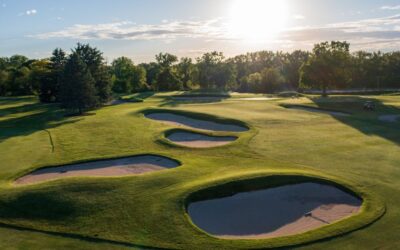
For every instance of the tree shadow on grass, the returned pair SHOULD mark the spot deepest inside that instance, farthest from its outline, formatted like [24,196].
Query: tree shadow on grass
[38,117]
[21,109]
[52,203]
[144,95]
[37,206]
[50,207]
[194,97]
[367,122]
[16,100]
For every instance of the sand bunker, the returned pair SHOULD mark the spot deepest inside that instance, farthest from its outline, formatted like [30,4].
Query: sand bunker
[195,140]
[317,110]
[181,120]
[117,167]
[273,212]
[389,118]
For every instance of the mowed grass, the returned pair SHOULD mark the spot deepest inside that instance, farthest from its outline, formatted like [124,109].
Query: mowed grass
[148,210]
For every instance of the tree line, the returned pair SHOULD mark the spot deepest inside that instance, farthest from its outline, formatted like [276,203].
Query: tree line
[82,79]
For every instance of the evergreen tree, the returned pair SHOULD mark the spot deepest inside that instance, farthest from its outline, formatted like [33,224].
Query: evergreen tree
[49,87]
[78,91]
[94,60]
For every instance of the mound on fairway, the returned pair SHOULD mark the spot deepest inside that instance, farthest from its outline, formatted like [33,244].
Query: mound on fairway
[182,120]
[256,98]
[197,140]
[389,118]
[273,212]
[317,110]
[197,98]
[115,167]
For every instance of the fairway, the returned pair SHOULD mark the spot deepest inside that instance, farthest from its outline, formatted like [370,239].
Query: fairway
[238,143]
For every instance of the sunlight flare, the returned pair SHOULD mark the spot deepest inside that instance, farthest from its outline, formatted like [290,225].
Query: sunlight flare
[257,20]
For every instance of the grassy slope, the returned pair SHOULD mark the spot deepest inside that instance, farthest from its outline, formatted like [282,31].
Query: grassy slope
[358,149]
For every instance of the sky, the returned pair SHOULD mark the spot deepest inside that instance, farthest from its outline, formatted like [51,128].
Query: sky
[140,29]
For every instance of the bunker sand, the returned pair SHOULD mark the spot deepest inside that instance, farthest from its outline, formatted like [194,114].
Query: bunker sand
[196,140]
[180,120]
[116,167]
[274,212]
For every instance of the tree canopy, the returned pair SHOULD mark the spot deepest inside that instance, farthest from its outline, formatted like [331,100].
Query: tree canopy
[327,66]
[330,65]
[78,91]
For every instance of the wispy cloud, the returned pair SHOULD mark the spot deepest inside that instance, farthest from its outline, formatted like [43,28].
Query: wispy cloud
[390,7]
[131,31]
[375,33]
[28,12]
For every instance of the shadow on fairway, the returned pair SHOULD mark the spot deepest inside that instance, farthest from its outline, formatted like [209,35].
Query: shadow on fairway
[52,208]
[144,95]
[15,100]
[22,109]
[366,122]
[38,117]
[194,97]
[37,206]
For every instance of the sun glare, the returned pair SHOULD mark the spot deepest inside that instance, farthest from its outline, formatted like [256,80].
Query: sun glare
[257,20]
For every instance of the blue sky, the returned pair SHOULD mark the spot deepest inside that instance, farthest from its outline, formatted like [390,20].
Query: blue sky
[141,28]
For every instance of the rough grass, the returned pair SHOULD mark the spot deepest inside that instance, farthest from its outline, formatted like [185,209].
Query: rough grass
[148,210]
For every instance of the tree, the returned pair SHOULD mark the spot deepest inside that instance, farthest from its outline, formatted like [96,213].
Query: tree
[328,66]
[251,83]
[3,82]
[185,70]
[167,79]
[139,79]
[166,60]
[103,83]
[78,91]
[152,70]
[291,69]
[127,77]
[40,73]
[224,76]
[215,73]
[18,83]
[94,60]
[271,80]
[123,71]
[49,87]
[206,66]
[17,61]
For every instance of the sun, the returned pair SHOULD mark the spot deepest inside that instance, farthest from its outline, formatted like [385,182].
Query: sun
[257,20]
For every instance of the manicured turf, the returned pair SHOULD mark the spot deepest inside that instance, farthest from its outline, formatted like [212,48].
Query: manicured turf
[358,151]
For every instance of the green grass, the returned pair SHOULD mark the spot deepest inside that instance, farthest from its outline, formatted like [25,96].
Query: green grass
[358,152]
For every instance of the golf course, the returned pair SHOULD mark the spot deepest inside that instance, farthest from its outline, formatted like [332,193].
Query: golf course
[172,170]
